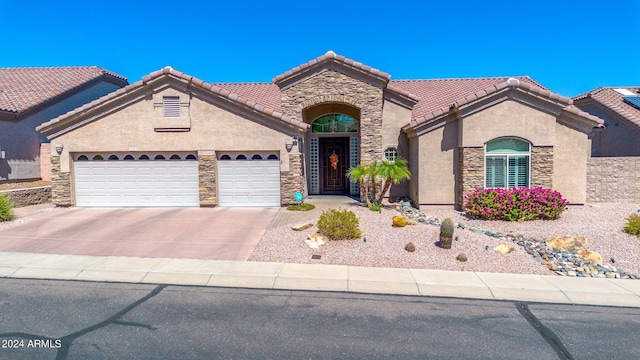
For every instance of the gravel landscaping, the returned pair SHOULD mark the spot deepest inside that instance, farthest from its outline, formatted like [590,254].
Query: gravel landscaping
[600,223]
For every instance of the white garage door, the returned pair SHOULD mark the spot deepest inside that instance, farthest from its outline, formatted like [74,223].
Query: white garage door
[251,182]
[137,183]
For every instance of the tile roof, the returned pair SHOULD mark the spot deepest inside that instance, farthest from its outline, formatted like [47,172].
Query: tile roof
[25,89]
[225,92]
[331,57]
[609,98]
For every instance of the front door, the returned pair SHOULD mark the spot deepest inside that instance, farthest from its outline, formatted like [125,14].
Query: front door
[333,164]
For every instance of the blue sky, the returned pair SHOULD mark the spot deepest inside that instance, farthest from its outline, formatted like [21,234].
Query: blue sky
[568,46]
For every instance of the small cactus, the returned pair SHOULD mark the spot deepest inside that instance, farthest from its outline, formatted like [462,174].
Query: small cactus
[410,247]
[446,233]
[461,257]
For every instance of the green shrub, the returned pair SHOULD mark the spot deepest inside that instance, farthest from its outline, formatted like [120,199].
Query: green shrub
[633,225]
[6,208]
[301,207]
[375,208]
[339,224]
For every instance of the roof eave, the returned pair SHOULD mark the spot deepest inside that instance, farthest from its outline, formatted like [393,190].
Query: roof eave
[330,60]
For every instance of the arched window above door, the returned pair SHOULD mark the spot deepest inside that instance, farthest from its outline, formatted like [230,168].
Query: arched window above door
[335,123]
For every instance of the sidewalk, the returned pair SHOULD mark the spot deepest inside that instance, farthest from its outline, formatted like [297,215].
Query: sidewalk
[492,286]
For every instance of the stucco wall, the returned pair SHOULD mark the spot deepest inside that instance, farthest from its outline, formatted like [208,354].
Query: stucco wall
[21,141]
[570,164]
[211,128]
[619,138]
[452,157]
[394,117]
[439,165]
[613,179]
[508,118]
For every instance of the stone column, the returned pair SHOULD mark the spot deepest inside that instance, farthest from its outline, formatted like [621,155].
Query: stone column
[60,184]
[541,167]
[471,171]
[207,171]
[291,181]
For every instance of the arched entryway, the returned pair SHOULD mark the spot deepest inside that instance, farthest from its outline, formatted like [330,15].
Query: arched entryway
[334,147]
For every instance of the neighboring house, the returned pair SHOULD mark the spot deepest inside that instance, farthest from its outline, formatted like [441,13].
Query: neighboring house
[31,96]
[619,107]
[171,139]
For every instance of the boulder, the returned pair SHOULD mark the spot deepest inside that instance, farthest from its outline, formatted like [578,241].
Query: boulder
[301,226]
[399,221]
[315,240]
[504,249]
[591,257]
[572,244]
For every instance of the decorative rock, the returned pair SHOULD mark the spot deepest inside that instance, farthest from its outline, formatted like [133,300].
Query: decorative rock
[561,254]
[591,257]
[572,244]
[410,247]
[315,241]
[301,226]
[571,273]
[399,221]
[461,257]
[504,249]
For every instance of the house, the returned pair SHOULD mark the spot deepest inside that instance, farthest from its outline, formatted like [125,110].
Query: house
[619,107]
[171,139]
[31,96]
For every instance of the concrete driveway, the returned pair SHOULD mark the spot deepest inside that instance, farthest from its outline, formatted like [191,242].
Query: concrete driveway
[181,233]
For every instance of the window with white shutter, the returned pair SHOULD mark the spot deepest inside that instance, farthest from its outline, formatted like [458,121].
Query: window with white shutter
[171,106]
[507,163]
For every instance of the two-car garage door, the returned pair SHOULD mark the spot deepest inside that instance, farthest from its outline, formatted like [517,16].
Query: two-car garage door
[143,181]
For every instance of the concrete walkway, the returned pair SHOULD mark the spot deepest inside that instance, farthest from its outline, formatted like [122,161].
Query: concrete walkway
[530,288]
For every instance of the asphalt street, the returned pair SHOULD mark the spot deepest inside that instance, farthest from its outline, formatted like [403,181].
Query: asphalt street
[91,320]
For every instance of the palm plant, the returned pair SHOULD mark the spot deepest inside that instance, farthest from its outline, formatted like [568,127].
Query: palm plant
[392,172]
[360,174]
[376,178]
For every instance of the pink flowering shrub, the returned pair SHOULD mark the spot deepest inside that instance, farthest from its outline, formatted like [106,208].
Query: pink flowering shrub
[515,204]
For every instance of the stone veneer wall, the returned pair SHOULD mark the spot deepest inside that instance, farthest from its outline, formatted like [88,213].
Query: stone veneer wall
[613,179]
[29,196]
[207,167]
[291,181]
[331,86]
[542,166]
[60,184]
[472,169]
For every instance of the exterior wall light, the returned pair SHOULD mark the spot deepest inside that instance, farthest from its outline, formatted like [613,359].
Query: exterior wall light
[289,146]
[59,148]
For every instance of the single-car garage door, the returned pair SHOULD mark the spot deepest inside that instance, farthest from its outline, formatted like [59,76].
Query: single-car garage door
[136,180]
[249,180]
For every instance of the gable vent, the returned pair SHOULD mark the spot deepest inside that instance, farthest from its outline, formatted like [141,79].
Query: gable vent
[171,106]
